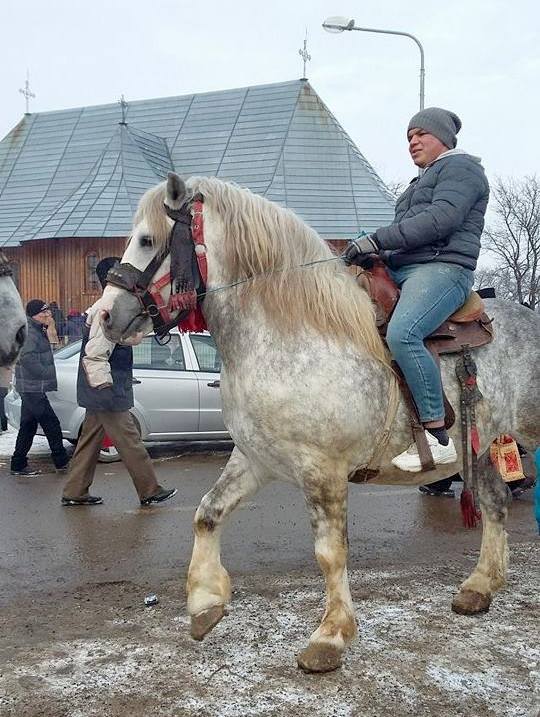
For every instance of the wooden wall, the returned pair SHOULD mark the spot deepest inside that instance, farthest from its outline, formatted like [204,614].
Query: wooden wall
[55,269]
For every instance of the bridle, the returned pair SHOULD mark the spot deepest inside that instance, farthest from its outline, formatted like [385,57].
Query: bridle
[187,229]
[5,268]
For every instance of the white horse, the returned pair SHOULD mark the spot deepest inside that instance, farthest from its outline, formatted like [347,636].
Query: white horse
[305,387]
[13,317]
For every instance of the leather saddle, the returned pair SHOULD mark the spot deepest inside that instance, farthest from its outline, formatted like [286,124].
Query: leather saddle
[468,327]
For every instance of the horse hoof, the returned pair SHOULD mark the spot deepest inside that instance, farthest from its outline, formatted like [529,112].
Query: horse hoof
[319,657]
[203,622]
[470,602]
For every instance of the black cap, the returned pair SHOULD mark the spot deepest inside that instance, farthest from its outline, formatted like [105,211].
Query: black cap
[34,306]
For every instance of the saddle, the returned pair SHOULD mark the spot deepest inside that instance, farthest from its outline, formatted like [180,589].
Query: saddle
[468,327]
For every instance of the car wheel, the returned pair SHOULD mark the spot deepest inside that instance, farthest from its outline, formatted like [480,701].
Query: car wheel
[111,455]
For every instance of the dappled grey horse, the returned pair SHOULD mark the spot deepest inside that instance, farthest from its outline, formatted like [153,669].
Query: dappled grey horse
[306,389]
[12,316]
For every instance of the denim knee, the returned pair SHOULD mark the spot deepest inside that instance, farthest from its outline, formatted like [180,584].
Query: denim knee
[398,339]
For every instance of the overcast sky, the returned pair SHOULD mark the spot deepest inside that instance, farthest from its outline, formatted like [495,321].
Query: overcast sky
[482,61]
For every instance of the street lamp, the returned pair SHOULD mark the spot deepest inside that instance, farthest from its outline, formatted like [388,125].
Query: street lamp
[340,24]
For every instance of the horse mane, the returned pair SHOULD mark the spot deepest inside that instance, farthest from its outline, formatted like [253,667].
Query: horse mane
[262,238]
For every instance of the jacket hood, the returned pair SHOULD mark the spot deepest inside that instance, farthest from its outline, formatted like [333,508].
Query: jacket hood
[455,152]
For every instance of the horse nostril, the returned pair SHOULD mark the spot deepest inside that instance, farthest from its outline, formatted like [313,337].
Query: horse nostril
[20,336]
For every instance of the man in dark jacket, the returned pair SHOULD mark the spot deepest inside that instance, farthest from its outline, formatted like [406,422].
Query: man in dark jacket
[35,374]
[105,389]
[431,249]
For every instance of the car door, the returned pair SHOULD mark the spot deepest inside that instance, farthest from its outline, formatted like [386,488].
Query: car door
[166,394]
[209,367]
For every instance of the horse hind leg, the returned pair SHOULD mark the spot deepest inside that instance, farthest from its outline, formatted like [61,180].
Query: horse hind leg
[326,497]
[208,583]
[489,575]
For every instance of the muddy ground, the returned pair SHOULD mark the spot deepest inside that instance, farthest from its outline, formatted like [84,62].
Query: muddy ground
[76,639]
[99,652]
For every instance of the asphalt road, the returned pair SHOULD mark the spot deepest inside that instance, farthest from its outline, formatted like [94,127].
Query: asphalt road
[47,546]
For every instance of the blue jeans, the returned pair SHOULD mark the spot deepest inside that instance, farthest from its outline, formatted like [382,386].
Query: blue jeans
[430,293]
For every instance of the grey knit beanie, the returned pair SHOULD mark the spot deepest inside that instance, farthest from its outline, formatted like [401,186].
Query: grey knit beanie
[442,124]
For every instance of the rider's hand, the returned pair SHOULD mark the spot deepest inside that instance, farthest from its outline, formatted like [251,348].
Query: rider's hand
[357,250]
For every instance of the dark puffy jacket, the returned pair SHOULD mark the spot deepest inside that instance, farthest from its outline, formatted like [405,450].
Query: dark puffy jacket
[35,371]
[115,398]
[440,216]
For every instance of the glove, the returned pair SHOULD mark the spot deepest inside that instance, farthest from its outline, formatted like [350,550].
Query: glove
[358,249]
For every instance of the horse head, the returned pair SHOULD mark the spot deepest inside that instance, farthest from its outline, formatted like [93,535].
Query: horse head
[127,313]
[13,322]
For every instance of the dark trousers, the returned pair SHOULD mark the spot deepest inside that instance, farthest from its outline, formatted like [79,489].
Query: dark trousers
[36,409]
[3,417]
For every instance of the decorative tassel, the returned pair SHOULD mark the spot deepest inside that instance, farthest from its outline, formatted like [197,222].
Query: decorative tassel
[469,512]
[194,322]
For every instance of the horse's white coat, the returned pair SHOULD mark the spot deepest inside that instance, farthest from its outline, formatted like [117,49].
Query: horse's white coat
[308,406]
[13,322]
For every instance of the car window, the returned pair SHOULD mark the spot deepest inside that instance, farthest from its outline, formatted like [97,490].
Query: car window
[68,351]
[150,354]
[206,353]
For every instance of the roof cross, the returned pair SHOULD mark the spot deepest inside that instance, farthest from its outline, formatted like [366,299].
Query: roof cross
[27,93]
[123,104]
[306,57]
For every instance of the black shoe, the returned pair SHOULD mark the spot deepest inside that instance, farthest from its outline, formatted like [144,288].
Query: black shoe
[160,496]
[26,471]
[428,490]
[85,500]
[61,470]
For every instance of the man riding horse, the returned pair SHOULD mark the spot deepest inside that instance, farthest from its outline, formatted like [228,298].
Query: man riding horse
[431,250]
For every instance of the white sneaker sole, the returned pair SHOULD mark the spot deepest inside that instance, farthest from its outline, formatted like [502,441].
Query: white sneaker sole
[417,469]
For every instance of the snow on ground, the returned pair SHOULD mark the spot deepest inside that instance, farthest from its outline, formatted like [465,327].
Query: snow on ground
[98,652]
[40,446]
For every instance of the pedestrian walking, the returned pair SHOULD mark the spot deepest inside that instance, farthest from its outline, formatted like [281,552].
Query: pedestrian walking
[105,389]
[35,375]
[6,376]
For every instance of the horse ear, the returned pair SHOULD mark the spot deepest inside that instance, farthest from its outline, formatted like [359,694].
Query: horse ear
[176,191]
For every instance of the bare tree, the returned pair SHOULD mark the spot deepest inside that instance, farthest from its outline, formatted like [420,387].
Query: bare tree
[396,187]
[514,240]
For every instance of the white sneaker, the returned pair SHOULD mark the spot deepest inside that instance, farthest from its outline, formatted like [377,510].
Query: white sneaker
[409,460]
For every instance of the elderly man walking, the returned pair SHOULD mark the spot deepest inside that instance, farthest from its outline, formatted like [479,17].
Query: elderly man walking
[35,375]
[105,389]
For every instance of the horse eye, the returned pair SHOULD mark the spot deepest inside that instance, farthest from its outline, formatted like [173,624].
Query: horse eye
[146,241]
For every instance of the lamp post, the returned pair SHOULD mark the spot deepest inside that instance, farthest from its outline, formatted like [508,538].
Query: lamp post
[340,24]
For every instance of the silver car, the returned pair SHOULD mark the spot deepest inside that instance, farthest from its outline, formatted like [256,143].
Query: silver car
[176,391]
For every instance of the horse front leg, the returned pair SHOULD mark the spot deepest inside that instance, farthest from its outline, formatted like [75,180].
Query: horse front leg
[326,496]
[208,583]
[489,575]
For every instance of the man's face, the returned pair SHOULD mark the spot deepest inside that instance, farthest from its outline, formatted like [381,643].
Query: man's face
[43,317]
[424,148]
